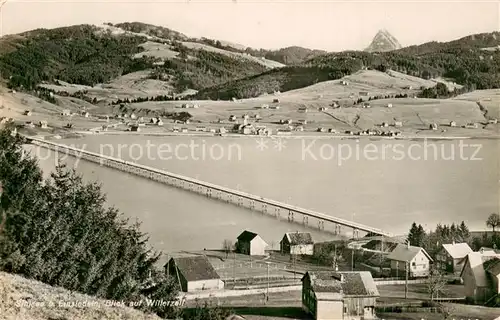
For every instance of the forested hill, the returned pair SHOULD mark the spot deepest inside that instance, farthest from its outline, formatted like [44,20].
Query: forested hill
[89,55]
[472,61]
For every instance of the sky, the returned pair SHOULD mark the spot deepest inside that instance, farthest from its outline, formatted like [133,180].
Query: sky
[318,24]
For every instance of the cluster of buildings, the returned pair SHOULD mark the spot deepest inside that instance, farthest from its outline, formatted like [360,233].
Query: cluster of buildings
[353,294]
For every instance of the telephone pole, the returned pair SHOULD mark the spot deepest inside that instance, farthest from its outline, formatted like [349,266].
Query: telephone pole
[267,291]
[406,280]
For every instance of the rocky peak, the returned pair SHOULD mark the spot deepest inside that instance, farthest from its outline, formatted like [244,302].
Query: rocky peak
[383,41]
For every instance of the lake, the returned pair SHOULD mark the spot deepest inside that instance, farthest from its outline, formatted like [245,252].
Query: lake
[387,184]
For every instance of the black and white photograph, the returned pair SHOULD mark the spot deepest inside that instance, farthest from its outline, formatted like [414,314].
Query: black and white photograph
[249,159]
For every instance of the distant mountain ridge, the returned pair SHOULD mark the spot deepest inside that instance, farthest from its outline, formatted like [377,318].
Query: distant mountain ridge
[383,41]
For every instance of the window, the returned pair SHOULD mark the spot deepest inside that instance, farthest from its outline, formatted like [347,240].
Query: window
[413,264]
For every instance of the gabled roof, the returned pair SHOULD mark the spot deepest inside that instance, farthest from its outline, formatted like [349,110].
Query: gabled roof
[346,283]
[475,261]
[246,236]
[457,250]
[489,250]
[195,268]
[493,266]
[297,238]
[403,252]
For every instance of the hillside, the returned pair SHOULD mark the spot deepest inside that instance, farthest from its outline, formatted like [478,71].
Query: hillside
[294,55]
[25,299]
[90,55]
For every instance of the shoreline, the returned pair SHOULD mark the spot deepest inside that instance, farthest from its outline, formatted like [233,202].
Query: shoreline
[81,134]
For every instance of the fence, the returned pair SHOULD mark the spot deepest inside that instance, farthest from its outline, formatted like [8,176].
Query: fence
[409,309]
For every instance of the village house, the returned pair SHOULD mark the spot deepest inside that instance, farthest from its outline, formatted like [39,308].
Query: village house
[297,243]
[323,109]
[481,277]
[27,113]
[43,124]
[232,117]
[471,126]
[276,100]
[453,124]
[194,273]
[264,106]
[251,243]
[493,121]
[433,126]
[366,105]
[398,124]
[159,122]
[331,295]
[450,257]
[303,109]
[332,130]
[364,93]
[334,104]
[85,114]
[133,116]
[417,258]
[384,125]
[65,113]
[135,128]
[247,129]
[275,107]
[344,83]
[389,105]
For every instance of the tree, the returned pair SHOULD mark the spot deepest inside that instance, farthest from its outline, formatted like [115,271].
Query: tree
[436,282]
[227,246]
[493,221]
[60,232]
[417,234]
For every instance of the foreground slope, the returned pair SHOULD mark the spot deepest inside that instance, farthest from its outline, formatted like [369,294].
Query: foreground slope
[25,299]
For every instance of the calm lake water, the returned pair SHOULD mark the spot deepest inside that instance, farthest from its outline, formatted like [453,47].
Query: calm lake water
[386,183]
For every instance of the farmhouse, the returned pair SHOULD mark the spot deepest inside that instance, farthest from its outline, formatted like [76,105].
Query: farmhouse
[135,128]
[453,124]
[417,258]
[451,256]
[43,124]
[194,273]
[65,112]
[323,108]
[303,109]
[251,243]
[398,124]
[433,126]
[297,243]
[364,93]
[481,276]
[339,295]
[27,113]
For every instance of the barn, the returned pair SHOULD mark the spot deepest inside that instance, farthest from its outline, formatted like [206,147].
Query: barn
[194,273]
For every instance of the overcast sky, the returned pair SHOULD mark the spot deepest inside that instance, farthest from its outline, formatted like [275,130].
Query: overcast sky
[322,24]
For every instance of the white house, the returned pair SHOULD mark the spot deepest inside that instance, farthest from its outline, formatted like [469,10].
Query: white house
[297,243]
[194,273]
[417,258]
[251,243]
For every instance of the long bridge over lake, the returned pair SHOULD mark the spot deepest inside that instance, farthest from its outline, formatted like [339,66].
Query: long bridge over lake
[240,198]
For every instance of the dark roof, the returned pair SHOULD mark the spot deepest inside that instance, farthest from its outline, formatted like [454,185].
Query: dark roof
[492,266]
[195,268]
[296,238]
[353,283]
[246,236]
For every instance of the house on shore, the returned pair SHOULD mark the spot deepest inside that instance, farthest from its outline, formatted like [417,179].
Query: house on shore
[481,277]
[297,243]
[450,257]
[251,244]
[417,258]
[194,273]
[328,295]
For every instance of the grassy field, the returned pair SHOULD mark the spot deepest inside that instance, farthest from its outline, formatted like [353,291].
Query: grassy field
[415,115]
[25,299]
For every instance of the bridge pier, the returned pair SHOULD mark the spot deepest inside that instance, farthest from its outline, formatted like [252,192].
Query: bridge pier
[277,212]
[355,233]
[252,204]
[240,201]
[305,220]
[264,207]
[290,216]
[321,225]
[209,192]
